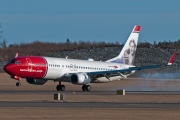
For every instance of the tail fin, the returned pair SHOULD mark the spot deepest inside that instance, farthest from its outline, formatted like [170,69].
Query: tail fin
[172,59]
[127,54]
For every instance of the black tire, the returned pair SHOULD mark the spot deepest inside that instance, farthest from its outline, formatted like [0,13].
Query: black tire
[88,87]
[18,84]
[84,88]
[62,88]
[58,88]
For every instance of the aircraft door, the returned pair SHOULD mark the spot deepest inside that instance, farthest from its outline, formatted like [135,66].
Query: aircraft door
[31,68]
[29,63]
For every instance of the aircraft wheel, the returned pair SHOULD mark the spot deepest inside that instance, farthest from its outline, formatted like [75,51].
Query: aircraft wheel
[62,88]
[58,88]
[88,87]
[84,88]
[18,84]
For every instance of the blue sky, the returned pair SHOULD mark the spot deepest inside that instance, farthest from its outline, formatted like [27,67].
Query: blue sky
[89,20]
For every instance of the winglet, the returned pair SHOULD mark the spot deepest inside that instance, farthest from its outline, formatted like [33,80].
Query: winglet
[172,59]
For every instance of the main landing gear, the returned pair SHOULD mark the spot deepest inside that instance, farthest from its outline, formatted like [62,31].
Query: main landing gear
[86,87]
[60,87]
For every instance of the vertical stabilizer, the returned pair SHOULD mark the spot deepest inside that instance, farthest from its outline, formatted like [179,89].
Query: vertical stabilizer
[127,54]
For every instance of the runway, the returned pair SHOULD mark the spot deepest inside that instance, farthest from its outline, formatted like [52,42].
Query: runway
[80,99]
[90,92]
[156,98]
[140,93]
[89,105]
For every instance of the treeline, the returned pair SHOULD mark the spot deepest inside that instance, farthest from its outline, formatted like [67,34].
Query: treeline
[46,48]
[164,44]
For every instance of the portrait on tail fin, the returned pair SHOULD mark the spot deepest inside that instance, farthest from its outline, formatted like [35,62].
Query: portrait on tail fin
[129,53]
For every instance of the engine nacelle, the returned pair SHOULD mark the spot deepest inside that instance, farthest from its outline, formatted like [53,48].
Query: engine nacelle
[36,81]
[80,78]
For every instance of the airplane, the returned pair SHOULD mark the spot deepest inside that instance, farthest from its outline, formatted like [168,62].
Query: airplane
[38,70]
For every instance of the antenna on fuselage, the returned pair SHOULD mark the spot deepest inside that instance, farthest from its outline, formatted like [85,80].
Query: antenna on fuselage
[16,55]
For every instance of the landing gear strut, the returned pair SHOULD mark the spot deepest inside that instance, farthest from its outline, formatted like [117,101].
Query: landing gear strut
[18,84]
[60,87]
[18,79]
[86,87]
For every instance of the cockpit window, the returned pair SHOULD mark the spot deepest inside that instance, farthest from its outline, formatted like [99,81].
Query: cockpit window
[17,62]
[11,61]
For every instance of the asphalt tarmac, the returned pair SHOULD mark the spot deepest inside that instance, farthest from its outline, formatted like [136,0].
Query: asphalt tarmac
[90,92]
[65,104]
[89,105]
[140,93]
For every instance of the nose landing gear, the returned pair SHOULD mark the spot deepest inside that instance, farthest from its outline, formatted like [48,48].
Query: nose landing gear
[17,78]
[18,84]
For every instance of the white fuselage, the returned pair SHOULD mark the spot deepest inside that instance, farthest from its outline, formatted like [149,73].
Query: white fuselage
[59,67]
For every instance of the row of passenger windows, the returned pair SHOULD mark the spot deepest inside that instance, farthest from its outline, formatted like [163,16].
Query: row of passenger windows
[79,67]
[36,64]
[68,66]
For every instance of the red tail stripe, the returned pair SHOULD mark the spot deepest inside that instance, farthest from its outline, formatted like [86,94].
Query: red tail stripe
[137,28]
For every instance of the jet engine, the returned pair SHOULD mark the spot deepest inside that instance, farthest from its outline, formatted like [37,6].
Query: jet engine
[80,78]
[36,81]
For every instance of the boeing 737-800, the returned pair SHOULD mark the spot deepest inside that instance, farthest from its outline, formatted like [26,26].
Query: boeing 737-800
[38,70]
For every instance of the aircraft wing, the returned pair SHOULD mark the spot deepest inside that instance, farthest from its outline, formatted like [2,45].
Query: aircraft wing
[124,70]
[134,68]
[130,69]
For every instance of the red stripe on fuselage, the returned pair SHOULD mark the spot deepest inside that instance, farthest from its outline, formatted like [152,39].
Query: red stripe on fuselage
[28,67]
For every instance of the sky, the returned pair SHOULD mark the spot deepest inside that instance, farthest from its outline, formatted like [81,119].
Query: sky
[25,21]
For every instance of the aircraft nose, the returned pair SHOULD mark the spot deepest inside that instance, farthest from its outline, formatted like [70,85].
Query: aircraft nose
[7,68]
